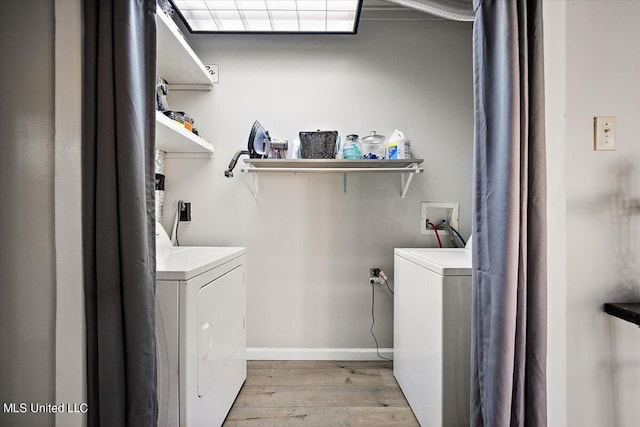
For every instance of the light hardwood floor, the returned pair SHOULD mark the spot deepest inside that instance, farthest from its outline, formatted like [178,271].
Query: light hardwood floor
[320,393]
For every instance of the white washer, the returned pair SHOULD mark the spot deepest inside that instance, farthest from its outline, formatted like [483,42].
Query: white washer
[201,333]
[432,333]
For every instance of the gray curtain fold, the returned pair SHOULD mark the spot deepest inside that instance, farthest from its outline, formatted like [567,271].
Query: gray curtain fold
[509,217]
[118,210]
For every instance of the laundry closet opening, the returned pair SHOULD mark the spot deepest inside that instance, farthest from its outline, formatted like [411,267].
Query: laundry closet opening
[309,244]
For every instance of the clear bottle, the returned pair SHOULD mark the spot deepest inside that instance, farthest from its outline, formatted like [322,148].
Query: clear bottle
[352,148]
[373,146]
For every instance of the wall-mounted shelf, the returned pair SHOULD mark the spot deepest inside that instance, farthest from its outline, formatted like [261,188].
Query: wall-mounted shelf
[406,168]
[174,138]
[177,62]
[625,311]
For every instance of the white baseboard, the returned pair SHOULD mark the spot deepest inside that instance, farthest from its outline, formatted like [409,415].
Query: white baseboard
[296,353]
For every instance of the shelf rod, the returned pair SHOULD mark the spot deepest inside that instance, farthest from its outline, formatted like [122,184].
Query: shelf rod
[330,170]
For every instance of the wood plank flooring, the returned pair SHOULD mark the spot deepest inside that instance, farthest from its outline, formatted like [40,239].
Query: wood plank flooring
[320,394]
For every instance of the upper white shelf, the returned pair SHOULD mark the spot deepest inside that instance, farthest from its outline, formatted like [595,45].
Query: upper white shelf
[173,138]
[177,62]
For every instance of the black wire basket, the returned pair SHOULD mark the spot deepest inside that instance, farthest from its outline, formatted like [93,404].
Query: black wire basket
[318,145]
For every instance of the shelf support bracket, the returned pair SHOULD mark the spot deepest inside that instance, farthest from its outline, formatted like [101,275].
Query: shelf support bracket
[253,182]
[406,179]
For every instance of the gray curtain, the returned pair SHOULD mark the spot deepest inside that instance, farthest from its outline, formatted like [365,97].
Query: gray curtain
[509,216]
[118,210]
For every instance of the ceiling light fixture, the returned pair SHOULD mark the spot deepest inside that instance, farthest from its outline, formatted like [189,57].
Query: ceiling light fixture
[270,16]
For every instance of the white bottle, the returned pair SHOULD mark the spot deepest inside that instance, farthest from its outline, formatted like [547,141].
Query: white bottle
[399,147]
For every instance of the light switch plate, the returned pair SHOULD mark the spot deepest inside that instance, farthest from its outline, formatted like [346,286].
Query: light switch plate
[604,133]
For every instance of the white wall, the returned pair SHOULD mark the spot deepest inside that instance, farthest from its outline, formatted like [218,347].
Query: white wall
[27,258]
[555,93]
[603,354]
[70,340]
[310,245]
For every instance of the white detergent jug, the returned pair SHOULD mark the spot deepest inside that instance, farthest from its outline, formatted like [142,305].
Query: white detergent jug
[399,147]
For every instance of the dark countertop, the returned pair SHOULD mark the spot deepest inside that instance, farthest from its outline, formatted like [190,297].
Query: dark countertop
[625,311]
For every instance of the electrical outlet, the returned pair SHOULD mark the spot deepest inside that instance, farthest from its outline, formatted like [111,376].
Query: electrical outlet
[374,276]
[185,212]
[436,212]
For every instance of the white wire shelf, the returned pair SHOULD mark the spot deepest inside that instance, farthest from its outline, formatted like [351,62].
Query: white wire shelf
[406,168]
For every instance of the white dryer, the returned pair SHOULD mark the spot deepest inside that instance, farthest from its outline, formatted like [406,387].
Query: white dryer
[201,333]
[432,333]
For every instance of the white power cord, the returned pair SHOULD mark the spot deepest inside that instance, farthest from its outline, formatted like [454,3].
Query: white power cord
[373,319]
[176,223]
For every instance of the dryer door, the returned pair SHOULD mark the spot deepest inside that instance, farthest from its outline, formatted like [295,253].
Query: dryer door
[220,326]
